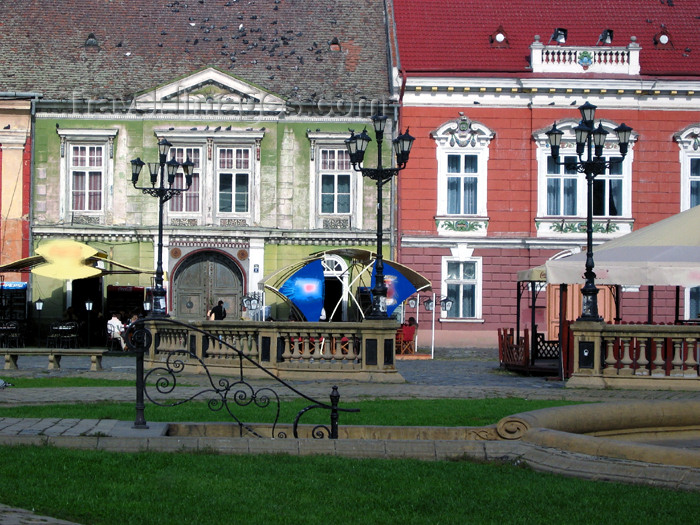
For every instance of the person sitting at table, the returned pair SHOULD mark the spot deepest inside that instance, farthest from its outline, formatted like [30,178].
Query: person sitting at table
[70,315]
[115,328]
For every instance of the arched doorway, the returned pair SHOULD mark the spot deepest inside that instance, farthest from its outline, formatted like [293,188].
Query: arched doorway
[335,302]
[202,280]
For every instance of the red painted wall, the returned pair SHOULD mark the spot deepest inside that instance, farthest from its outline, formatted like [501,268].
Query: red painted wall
[512,202]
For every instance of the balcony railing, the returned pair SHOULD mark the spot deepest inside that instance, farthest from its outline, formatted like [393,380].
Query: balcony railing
[580,59]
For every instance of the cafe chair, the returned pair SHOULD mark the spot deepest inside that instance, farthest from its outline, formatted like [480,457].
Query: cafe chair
[406,339]
[53,340]
[12,336]
[113,341]
[69,335]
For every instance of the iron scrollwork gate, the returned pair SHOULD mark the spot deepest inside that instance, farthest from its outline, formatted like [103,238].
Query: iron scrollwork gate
[226,394]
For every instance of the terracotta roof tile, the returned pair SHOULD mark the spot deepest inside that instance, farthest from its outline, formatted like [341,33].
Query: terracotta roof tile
[453,35]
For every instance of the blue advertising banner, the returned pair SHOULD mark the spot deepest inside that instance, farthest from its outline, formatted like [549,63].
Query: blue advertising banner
[399,288]
[306,288]
[13,285]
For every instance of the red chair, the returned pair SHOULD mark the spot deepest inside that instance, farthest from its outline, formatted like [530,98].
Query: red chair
[408,334]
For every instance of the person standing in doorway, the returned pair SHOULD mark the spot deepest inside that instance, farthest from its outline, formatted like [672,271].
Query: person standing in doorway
[219,312]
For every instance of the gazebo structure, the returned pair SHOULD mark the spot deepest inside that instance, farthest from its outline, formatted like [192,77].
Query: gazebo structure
[666,253]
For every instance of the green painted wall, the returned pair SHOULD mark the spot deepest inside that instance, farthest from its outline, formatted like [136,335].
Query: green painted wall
[285,186]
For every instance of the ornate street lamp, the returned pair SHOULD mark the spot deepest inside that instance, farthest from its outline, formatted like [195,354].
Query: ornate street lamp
[88,309]
[39,306]
[590,140]
[446,304]
[356,145]
[164,193]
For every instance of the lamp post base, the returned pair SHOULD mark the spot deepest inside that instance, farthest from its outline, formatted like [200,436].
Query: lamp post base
[378,306]
[159,302]
[589,303]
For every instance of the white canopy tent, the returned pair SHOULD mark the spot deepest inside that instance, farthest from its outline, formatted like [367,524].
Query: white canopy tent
[666,253]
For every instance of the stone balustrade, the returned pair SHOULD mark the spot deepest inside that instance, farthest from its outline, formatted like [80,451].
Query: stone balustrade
[636,355]
[591,59]
[360,351]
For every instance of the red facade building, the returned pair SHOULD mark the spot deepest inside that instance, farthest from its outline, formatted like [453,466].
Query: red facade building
[479,85]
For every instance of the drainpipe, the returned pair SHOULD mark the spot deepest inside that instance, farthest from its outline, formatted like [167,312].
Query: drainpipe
[395,184]
[20,94]
[30,240]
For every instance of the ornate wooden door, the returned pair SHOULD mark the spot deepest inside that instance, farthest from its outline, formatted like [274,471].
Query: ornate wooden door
[202,281]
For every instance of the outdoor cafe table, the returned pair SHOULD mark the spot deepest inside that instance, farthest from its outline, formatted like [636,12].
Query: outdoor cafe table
[63,335]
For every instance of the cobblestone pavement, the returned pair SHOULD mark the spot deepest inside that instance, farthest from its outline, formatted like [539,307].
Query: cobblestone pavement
[466,373]
[463,374]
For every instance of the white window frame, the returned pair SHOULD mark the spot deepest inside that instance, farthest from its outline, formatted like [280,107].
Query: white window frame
[88,138]
[209,144]
[461,256]
[340,156]
[445,177]
[325,140]
[562,176]
[83,159]
[239,155]
[555,225]
[177,207]
[453,139]
[689,149]
[462,136]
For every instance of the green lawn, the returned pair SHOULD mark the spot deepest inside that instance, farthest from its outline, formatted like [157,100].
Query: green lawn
[412,412]
[93,487]
[96,487]
[64,382]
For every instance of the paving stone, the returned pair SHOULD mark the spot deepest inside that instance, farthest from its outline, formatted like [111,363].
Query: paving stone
[11,516]
[82,428]
[311,447]
[223,445]
[273,446]
[61,426]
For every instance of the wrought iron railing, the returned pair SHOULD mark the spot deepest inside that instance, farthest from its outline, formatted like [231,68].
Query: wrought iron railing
[225,394]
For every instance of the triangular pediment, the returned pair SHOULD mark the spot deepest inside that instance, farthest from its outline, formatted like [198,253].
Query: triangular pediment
[206,88]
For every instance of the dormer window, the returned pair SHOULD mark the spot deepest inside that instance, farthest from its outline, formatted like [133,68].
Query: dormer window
[334,45]
[499,38]
[606,37]
[91,41]
[559,35]
[662,39]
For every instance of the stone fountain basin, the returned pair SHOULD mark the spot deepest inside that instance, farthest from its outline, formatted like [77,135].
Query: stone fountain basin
[231,430]
[661,432]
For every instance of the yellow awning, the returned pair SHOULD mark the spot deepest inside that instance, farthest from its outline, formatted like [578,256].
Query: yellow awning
[67,259]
